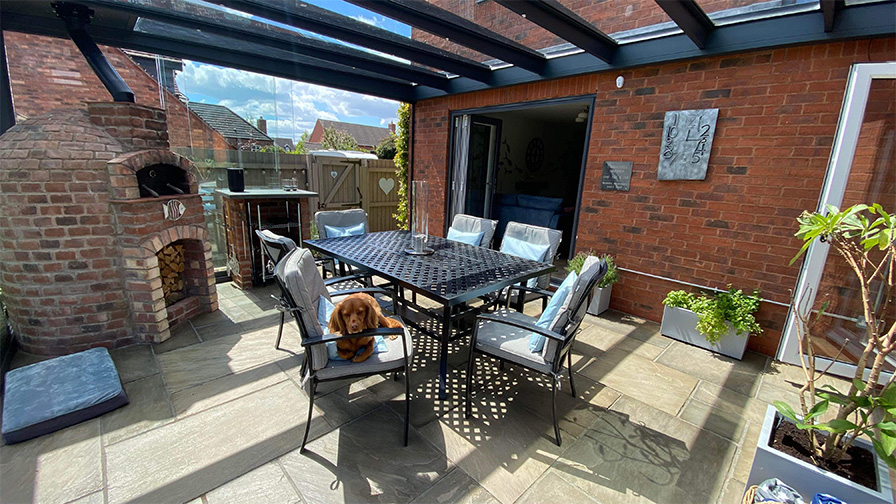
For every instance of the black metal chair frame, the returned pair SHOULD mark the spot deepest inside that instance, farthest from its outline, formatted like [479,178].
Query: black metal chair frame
[566,339]
[288,304]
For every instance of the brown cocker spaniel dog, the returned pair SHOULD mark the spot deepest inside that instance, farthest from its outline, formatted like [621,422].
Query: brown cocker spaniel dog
[354,314]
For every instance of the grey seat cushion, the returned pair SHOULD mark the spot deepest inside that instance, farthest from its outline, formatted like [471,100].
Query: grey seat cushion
[56,393]
[392,358]
[509,342]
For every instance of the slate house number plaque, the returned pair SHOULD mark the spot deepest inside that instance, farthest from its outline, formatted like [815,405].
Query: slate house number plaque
[616,176]
[687,140]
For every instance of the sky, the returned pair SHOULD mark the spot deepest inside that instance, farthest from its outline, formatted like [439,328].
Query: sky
[290,107]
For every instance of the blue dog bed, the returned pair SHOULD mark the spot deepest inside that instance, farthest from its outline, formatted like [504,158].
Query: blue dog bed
[56,393]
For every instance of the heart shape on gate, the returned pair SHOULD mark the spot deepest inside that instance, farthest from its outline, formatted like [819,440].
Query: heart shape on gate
[387,185]
[334,173]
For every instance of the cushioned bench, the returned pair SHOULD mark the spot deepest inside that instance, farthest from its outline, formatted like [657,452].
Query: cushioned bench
[56,393]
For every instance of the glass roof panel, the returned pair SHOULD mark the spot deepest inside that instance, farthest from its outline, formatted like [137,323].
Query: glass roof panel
[624,20]
[724,12]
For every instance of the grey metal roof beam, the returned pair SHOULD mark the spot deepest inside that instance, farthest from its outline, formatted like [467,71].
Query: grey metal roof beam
[297,43]
[557,19]
[690,18]
[224,52]
[312,18]
[443,23]
[830,9]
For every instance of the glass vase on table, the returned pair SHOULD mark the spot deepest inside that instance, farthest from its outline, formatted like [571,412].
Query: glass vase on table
[420,218]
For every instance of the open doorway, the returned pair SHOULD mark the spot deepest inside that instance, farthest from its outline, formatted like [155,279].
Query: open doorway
[523,163]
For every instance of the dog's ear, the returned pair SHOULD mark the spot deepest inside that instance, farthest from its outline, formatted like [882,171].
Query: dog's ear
[372,313]
[336,322]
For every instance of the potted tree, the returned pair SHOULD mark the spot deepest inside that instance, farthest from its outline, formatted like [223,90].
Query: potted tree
[830,442]
[601,301]
[719,322]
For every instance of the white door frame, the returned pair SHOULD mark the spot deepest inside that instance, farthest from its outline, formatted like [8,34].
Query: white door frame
[848,128]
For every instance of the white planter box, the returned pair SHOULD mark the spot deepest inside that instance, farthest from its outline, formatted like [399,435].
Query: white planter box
[681,324]
[601,301]
[808,479]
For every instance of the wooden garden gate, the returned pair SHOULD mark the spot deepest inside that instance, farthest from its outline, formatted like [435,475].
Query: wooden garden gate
[351,183]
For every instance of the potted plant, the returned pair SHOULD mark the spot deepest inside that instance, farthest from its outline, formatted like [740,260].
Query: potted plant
[720,322]
[601,301]
[863,423]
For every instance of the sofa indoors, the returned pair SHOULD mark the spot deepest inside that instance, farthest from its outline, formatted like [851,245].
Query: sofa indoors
[536,210]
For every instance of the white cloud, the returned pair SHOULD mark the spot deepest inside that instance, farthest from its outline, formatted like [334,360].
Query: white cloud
[298,104]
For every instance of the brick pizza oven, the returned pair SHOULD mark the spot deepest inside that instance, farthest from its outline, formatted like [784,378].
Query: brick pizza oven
[91,203]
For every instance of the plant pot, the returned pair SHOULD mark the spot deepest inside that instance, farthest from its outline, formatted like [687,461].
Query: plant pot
[808,479]
[681,324]
[601,301]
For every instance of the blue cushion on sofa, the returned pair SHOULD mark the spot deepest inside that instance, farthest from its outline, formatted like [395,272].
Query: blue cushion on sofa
[539,202]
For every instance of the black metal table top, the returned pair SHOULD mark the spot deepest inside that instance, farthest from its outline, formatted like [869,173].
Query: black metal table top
[454,273]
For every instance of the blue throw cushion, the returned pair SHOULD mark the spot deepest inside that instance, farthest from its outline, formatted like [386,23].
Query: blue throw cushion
[540,202]
[464,237]
[526,250]
[324,311]
[335,231]
[536,341]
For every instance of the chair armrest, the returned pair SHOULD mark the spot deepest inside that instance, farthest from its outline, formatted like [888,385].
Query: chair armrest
[346,278]
[522,324]
[368,290]
[381,331]
[536,290]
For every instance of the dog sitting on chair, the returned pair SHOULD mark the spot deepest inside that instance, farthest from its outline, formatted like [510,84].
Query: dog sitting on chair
[357,313]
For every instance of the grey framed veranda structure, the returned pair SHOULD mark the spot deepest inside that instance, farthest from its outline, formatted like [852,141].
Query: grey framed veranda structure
[204,31]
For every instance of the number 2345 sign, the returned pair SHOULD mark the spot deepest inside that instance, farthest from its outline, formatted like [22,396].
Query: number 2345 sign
[687,140]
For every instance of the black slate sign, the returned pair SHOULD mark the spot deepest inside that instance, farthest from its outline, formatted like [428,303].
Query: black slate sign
[616,176]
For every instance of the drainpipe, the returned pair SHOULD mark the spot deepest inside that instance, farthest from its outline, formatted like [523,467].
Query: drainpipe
[76,17]
[7,110]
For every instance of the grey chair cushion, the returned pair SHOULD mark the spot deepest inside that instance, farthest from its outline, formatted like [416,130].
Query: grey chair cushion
[470,224]
[300,275]
[379,362]
[510,343]
[340,218]
[538,235]
[56,393]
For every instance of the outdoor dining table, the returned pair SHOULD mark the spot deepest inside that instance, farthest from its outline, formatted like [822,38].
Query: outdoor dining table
[452,275]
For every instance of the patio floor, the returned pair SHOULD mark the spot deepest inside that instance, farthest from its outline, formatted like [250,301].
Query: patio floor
[217,415]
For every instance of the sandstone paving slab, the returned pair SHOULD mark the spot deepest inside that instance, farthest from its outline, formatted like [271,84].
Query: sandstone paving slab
[181,336]
[552,488]
[365,461]
[226,388]
[745,453]
[503,446]
[656,384]
[58,467]
[729,402]
[741,376]
[785,376]
[456,488]
[267,484]
[615,322]
[134,362]
[218,330]
[148,409]
[215,317]
[733,491]
[94,498]
[597,339]
[637,453]
[714,420]
[197,364]
[191,456]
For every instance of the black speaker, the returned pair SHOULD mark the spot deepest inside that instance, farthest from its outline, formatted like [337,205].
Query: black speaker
[235,180]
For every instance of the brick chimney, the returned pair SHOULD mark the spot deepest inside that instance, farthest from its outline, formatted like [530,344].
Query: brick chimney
[392,127]
[262,125]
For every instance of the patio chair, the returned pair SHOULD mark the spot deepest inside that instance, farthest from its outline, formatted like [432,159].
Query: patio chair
[334,223]
[508,335]
[466,228]
[274,248]
[302,291]
[539,244]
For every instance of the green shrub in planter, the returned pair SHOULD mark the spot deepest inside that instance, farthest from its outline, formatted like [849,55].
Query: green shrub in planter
[612,276]
[716,312]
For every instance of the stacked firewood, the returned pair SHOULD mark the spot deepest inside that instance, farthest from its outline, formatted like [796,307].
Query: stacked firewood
[171,266]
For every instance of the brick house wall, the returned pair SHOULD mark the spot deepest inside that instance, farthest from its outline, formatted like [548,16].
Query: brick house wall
[48,73]
[778,112]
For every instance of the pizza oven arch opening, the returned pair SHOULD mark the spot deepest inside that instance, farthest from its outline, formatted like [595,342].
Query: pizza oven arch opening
[162,180]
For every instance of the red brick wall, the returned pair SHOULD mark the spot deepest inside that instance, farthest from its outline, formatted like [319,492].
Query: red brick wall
[778,112]
[48,73]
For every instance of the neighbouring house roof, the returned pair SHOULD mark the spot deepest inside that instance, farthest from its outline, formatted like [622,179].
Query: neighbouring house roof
[286,143]
[225,121]
[364,135]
